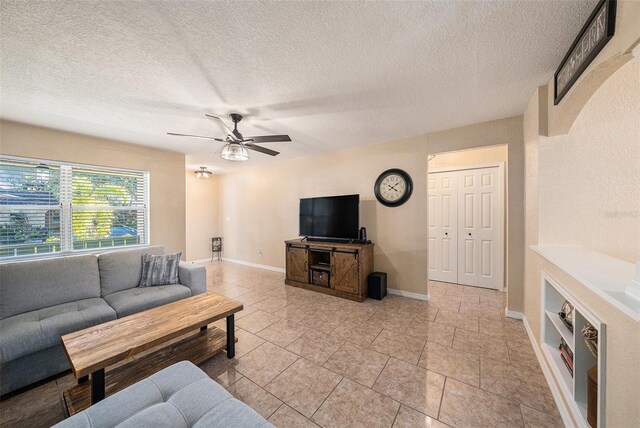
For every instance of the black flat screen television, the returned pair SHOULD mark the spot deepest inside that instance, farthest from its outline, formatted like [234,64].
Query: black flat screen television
[330,217]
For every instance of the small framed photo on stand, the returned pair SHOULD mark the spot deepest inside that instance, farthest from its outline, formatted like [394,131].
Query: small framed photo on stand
[216,248]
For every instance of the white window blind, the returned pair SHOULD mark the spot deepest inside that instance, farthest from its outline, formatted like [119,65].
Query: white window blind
[61,208]
[29,208]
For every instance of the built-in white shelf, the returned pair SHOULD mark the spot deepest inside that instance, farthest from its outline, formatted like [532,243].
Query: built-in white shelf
[559,369]
[606,276]
[572,387]
[566,334]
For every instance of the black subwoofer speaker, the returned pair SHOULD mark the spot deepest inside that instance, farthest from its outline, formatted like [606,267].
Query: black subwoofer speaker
[377,285]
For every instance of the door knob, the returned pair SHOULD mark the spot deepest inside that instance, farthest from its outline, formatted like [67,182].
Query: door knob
[446,234]
[469,233]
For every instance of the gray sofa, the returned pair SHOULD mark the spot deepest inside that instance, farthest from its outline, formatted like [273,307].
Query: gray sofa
[181,395]
[42,300]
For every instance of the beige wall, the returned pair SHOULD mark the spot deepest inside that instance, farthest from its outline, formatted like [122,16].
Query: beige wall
[259,207]
[532,291]
[466,158]
[590,178]
[583,189]
[201,215]
[166,170]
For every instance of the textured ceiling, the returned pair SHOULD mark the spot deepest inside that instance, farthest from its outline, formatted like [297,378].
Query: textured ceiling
[330,74]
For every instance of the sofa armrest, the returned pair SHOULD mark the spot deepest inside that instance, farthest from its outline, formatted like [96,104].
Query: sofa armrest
[193,276]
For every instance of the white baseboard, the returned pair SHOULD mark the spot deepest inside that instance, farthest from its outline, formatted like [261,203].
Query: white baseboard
[557,395]
[255,265]
[199,261]
[403,293]
[513,314]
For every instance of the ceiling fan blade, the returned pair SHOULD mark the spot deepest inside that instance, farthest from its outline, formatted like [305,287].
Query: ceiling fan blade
[261,149]
[270,139]
[194,136]
[223,127]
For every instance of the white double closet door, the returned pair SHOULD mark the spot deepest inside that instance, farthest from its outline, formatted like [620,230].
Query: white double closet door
[466,227]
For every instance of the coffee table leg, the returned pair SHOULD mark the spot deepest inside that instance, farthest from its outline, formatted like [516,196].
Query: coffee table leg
[97,386]
[203,328]
[231,337]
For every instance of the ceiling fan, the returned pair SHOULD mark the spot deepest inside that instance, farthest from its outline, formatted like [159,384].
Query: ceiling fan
[237,145]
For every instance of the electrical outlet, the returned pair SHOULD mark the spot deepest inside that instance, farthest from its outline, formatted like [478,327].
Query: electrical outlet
[259,253]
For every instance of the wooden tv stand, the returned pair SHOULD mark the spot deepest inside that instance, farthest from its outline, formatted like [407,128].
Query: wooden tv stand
[329,267]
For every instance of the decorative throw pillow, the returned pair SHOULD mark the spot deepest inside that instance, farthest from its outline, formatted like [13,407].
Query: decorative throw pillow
[159,270]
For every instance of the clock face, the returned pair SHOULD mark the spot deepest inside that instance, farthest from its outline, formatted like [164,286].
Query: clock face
[393,187]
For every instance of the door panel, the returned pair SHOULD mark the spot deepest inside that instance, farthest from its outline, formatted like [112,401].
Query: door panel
[485,258]
[469,179]
[443,226]
[490,232]
[446,212]
[466,262]
[432,209]
[297,264]
[467,253]
[469,209]
[446,255]
[469,257]
[433,253]
[481,228]
[345,272]
[486,217]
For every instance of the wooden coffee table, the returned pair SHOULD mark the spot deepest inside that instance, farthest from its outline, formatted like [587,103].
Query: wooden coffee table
[144,343]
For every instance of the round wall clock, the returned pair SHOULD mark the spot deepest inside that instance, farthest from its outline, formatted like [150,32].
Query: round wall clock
[393,187]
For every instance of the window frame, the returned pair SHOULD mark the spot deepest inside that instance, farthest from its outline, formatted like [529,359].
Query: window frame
[66,208]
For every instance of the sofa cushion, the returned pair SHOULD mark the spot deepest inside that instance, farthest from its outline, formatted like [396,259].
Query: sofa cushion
[127,302]
[32,285]
[159,270]
[231,413]
[120,270]
[31,332]
[181,395]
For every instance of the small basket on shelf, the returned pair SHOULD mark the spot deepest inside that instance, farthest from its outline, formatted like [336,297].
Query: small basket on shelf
[566,315]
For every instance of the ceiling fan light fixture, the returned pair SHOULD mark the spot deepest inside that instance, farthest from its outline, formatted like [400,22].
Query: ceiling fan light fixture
[202,173]
[235,152]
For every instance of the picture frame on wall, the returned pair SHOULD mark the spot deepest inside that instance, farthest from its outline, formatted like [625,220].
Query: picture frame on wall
[594,35]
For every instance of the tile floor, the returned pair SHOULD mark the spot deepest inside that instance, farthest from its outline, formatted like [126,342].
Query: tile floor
[304,359]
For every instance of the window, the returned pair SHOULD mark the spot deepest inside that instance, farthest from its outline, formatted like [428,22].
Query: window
[53,208]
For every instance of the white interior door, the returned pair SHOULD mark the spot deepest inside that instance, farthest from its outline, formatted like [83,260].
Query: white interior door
[443,227]
[480,228]
[467,222]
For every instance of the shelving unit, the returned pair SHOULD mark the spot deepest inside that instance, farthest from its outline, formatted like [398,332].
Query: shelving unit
[574,388]
[337,269]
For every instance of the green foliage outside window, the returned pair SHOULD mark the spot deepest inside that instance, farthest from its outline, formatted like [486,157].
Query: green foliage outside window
[89,190]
